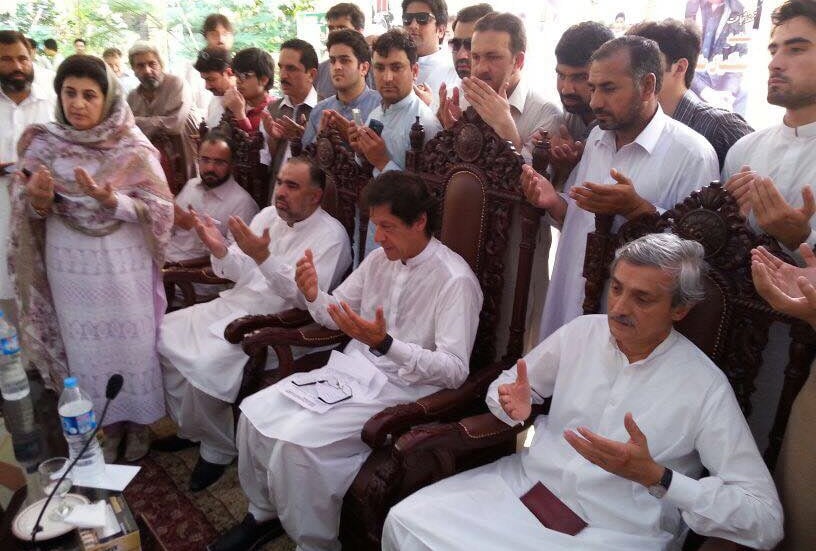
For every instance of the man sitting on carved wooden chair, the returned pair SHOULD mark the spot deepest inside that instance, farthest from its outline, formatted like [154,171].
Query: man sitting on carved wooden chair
[411,309]
[202,371]
[637,413]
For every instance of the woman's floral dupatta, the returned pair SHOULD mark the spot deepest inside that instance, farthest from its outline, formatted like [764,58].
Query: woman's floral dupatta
[130,165]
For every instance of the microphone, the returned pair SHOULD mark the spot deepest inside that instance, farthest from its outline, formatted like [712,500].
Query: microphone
[111,391]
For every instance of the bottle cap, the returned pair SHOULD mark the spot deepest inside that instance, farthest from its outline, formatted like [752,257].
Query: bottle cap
[70,382]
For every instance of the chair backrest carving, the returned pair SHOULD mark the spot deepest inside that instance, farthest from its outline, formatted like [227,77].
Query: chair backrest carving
[171,158]
[345,179]
[476,176]
[247,168]
[731,325]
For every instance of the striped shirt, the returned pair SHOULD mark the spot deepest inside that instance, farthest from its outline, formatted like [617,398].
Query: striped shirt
[720,127]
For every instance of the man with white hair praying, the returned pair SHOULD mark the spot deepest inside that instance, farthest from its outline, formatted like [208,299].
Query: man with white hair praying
[163,103]
[638,412]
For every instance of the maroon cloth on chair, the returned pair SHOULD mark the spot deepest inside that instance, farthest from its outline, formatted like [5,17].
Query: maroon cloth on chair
[551,511]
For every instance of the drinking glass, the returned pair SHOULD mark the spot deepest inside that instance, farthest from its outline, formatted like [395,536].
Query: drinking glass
[50,472]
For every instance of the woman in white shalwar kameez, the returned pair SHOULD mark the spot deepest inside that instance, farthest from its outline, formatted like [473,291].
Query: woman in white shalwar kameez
[90,227]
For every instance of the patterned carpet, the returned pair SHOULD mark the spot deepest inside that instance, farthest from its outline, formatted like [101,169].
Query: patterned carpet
[183,520]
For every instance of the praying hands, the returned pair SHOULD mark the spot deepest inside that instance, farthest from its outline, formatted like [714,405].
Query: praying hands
[787,288]
[355,326]
[40,190]
[254,246]
[449,111]
[103,194]
[619,198]
[210,235]
[493,107]
[630,460]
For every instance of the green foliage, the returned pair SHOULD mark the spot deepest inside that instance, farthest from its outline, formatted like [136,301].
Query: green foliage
[105,23]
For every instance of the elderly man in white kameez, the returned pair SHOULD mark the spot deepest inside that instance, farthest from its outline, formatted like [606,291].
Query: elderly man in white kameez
[202,371]
[637,413]
[411,309]
[637,160]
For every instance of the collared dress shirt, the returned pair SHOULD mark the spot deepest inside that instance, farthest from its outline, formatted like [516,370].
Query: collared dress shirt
[219,203]
[397,120]
[288,108]
[720,127]
[666,162]
[681,402]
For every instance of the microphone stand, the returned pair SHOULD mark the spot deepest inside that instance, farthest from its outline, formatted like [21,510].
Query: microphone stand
[37,526]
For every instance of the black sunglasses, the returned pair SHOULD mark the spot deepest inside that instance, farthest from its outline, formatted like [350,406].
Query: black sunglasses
[423,18]
[457,43]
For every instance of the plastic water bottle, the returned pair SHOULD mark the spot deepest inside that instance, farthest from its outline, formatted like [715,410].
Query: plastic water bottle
[78,421]
[13,380]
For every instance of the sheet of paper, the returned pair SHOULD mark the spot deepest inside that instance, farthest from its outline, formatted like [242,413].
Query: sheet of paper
[306,396]
[115,478]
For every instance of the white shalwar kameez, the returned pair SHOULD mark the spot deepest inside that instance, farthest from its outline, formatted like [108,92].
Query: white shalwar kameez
[786,155]
[296,464]
[666,162]
[680,400]
[202,371]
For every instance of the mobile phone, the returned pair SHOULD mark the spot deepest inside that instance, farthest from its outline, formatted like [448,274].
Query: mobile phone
[12,168]
[376,126]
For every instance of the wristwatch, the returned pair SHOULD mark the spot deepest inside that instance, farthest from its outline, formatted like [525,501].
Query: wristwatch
[382,348]
[659,490]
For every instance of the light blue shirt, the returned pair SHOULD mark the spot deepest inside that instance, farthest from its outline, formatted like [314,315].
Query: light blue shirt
[365,102]
[397,120]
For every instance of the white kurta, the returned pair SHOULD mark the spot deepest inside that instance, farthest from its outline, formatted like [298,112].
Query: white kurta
[219,203]
[38,107]
[785,155]
[666,162]
[192,339]
[683,404]
[431,305]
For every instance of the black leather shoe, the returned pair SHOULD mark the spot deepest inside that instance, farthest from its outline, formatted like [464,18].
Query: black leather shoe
[248,535]
[172,444]
[204,474]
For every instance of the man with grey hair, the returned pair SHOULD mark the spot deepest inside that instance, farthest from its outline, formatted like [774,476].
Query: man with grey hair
[163,103]
[636,161]
[638,412]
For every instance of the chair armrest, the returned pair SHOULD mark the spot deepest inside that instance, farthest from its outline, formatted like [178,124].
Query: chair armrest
[200,262]
[308,336]
[178,274]
[445,404]
[471,433]
[239,328]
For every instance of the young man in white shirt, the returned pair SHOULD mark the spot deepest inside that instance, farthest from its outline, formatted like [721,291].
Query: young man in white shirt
[637,160]
[411,310]
[202,371]
[426,21]
[637,413]
[21,105]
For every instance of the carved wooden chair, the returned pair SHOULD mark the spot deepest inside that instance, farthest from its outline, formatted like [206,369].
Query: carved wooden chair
[475,174]
[171,157]
[345,180]
[730,326]
[251,175]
